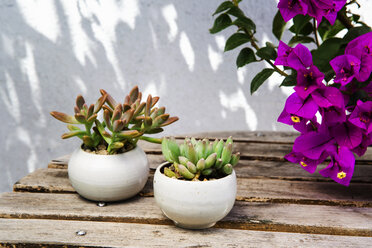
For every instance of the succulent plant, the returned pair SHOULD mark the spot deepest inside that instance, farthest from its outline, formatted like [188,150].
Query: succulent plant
[199,159]
[122,125]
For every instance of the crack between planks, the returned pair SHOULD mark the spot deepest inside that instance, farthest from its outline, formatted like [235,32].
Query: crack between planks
[249,224]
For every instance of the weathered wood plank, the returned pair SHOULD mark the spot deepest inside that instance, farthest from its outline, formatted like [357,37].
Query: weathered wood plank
[264,169]
[57,233]
[249,189]
[243,136]
[245,215]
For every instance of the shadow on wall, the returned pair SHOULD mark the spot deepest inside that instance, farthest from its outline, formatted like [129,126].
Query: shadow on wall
[51,51]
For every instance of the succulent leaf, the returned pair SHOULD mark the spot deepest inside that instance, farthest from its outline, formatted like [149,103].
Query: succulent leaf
[73,133]
[109,99]
[133,94]
[154,130]
[64,117]
[117,113]
[107,118]
[227,169]
[184,172]
[155,99]
[235,159]
[219,164]
[73,128]
[148,105]
[88,141]
[183,160]
[90,110]
[80,101]
[174,149]
[219,148]
[169,121]
[201,164]
[116,145]
[98,105]
[226,153]
[169,173]
[128,115]
[128,134]
[80,118]
[139,109]
[207,172]
[92,118]
[191,167]
[160,120]
[211,160]
[191,153]
[118,125]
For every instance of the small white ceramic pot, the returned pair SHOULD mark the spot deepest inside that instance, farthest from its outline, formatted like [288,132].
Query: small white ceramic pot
[108,177]
[194,204]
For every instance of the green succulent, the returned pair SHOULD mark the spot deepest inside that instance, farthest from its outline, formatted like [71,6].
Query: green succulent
[199,159]
[122,125]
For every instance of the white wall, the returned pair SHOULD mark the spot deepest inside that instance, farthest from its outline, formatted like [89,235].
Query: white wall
[51,51]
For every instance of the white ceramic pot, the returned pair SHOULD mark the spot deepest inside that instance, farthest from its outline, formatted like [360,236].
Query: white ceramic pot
[193,204]
[108,177]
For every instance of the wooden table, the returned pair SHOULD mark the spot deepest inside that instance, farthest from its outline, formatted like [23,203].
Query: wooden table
[278,205]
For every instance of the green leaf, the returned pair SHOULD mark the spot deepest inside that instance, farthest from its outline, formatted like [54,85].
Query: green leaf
[221,22]
[267,52]
[356,32]
[246,23]
[236,11]
[299,22]
[245,57]
[300,39]
[333,30]
[327,51]
[278,25]
[306,30]
[236,40]
[224,6]
[260,78]
[290,80]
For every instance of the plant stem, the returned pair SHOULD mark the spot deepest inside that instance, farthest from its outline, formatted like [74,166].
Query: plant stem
[150,139]
[253,43]
[316,33]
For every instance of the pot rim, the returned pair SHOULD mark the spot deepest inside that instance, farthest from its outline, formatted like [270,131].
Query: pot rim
[108,155]
[186,182]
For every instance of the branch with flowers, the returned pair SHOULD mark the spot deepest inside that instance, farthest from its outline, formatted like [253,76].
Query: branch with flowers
[332,103]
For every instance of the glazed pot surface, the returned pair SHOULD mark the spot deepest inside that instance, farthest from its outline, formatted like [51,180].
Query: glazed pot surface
[194,204]
[108,177]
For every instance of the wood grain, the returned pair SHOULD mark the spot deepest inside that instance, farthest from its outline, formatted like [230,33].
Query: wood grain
[249,189]
[245,215]
[58,233]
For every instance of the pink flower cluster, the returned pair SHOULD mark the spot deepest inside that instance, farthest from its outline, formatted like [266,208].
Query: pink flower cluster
[344,123]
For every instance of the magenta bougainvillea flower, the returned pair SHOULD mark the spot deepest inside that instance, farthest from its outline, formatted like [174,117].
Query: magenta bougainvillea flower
[283,52]
[346,67]
[298,108]
[314,8]
[313,144]
[332,115]
[346,134]
[341,167]
[308,80]
[327,97]
[362,116]
[300,58]
[361,48]
[291,8]
[308,164]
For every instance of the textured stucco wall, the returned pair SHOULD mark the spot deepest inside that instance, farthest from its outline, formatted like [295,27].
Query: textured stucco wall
[51,51]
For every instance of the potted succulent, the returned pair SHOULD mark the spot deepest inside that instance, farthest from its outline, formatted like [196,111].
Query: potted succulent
[197,186]
[109,166]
